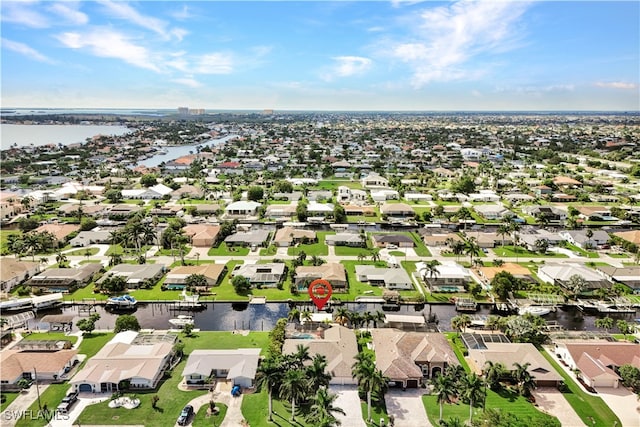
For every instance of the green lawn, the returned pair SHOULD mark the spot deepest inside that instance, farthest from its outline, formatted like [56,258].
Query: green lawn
[362,218]
[351,251]
[4,238]
[83,252]
[8,398]
[357,288]
[255,411]
[377,411]
[519,252]
[92,343]
[202,420]
[582,252]
[334,184]
[419,248]
[223,250]
[49,399]
[587,407]
[317,249]
[224,340]
[269,251]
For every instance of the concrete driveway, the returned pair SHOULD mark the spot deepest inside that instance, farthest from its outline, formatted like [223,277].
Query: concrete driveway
[349,401]
[407,408]
[551,401]
[623,403]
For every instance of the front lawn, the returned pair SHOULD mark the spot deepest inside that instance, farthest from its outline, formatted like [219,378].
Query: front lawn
[351,251]
[509,251]
[7,398]
[83,252]
[378,411]
[223,250]
[255,408]
[169,405]
[317,249]
[587,407]
[201,419]
[49,399]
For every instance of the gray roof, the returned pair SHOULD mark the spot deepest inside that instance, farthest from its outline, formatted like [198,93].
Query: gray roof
[250,237]
[241,362]
[134,273]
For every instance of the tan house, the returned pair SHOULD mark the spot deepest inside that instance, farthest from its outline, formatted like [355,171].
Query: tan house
[518,271]
[202,235]
[408,358]
[50,365]
[632,236]
[509,354]
[338,345]
[13,272]
[565,181]
[397,210]
[332,272]
[176,278]
[60,231]
[289,236]
[440,239]
[124,359]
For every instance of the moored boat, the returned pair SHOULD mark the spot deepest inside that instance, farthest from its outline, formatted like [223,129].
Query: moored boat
[181,321]
[122,301]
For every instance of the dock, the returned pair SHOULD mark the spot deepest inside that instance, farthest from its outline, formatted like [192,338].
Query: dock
[466,304]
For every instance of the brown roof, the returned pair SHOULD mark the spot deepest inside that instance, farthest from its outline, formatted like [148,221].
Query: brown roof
[513,268]
[609,353]
[328,271]
[14,362]
[60,231]
[210,271]
[632,236]
[11,268]
[397,352]
[285,234]
[565,180]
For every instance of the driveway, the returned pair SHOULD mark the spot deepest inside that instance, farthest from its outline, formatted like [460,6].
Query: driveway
[77,408]
[349,401]
[407,408]
[18,407]
[551,401]
[623,403]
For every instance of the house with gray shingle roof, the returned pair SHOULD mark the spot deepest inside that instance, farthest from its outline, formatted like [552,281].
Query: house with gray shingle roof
[238,365]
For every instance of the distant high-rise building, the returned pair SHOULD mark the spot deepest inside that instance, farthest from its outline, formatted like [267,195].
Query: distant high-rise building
[183,111]
[267,111]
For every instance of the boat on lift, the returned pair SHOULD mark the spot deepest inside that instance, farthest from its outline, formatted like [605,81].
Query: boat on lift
[181,321]
[122,302]
[536,310]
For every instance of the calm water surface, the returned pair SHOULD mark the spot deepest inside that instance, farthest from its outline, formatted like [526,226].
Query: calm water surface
[37,135]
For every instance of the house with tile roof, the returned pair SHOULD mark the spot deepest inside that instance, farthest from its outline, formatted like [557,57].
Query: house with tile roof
[338,344]
[390,278]
[289,236]
[409,358]
[177,276]
[50,365]
[14,271]
[202,235]
[332,272]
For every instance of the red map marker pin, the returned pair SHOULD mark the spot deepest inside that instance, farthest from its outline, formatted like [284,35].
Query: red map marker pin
[320,291]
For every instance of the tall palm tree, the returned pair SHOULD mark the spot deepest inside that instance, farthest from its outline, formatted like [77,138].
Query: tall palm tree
[294,387]
[323,409]
[316,372]
[375,254]
[378,316]
[443,387]
[342,315]
[294,315]
[503,230]
[520,371]
[269,374]
[369,378]
[61,259]
[32,244]
[431,269]
[300,356]
[367,318]
[15,244]
[461,322]
[472,388]
[458,249]
[306,316]
[471,248]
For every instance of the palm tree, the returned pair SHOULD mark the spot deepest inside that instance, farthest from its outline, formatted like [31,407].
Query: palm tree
[316,372]
[15,244]
[369,378]
[471,248]
[461,322]
[61,259]
[493,322]
[605,323]
[342,316]
[521,373]
[493,372]
[270,375]
[323,408]
[443,387]
[458,249]
[367,318]
[378,316]
[294,315]
[300,356]
[294,387]
[472,388]
[306,316]
[375,254]
[431,269]
[32,244]
[503,230]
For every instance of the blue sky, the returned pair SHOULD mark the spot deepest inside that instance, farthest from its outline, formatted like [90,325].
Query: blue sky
[319,55]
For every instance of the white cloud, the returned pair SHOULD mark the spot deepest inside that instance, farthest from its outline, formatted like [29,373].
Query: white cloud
[187,81]
[25,50]
[182,14]
[107,43]
[448,37]
[346,66]
[23,12]
[617,85]
[213,63]
[124,11]
[69,11]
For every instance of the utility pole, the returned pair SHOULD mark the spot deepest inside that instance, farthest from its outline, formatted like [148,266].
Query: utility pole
[37,388]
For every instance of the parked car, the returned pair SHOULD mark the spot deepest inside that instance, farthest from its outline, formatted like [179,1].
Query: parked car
[186,413]
[392,246]
[70,398]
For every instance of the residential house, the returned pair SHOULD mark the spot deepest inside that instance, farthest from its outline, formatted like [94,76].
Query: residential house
[566,182]
[261,275]
[510,354]
[87,238]
[560,274]
[242,209]
[60,231]
[136,275]
[488,196]
[253,238]
[492,212]
[188,191]
[123,210]
[283,212]
[177,277]
[448,275]
[597,362]
[50,365]
[238,366]
[595,213]
[346,194]
[632,236]
[397,210]
[357,210]
[490,240]
[551,214]
[440,239]
[317,195]
[400,240]
[581,240]
[346,239]
[322,210]
[10,205]
[230,168]
[166,210]
[289,236]
[340,347]
[381,195]
[202,235]
[409,358]
[628,276]
[14,271]
[140,364]
[373,180]
[420,197]
[390,278]
[64,279]
[157,191]
[332,272]
[516,270]
[563,198]
[203,209]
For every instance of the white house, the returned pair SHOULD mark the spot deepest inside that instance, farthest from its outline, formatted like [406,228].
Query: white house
[239,366]
[373,180]
[242,208]
[382,195]
[390,278]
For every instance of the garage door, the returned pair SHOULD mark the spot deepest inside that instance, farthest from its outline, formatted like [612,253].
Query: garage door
[412,383]
[85,387]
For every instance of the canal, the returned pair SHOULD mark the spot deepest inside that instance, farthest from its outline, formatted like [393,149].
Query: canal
[227,316]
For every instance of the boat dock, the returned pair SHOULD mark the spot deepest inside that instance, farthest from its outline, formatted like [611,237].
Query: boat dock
[466,304]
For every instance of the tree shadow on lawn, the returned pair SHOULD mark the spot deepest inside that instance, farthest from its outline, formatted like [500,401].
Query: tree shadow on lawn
[506,393]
